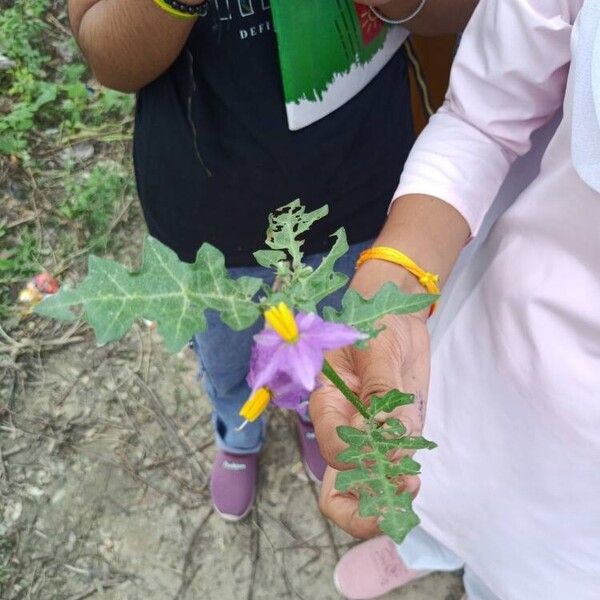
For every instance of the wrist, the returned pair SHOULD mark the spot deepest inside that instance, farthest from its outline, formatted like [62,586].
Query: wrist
[373,274]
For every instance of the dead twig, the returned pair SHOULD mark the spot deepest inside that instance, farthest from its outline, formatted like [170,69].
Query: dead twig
[187,578]
[176,433]
[3,471]
[16,347]
[96,588]
[15,450]
[254,561]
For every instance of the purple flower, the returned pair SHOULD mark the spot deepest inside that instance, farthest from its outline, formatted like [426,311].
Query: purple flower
[293,347]
[287,358]
[285,392]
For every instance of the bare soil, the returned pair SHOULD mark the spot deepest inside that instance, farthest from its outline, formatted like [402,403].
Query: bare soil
[103,487]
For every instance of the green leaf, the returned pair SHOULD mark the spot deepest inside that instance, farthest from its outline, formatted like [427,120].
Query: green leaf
[351,435]
[368,506]
[416,443]
[270,259]
[364,314]
[406,466]
[360,479]
[58,306]
[166,290]
[398,518]
[352,456]
[310,287]
[287,224]
[374,475]
[392,400]
[249,286]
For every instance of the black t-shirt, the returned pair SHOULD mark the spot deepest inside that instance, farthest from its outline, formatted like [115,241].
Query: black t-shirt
[214,154]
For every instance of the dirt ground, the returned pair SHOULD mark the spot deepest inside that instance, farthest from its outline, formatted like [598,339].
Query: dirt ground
[103,479]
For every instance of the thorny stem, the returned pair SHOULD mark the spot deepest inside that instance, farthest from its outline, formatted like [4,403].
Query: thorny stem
[340,384]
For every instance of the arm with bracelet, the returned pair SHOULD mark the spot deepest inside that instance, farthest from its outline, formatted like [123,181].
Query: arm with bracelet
[416,249]
[129,44]
[424,17]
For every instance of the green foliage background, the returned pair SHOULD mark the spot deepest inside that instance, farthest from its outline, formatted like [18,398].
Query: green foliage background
[57,201]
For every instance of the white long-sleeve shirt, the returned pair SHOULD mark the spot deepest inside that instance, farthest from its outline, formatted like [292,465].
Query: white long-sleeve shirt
[514,487]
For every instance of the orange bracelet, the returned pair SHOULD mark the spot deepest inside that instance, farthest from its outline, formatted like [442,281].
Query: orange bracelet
[429,281]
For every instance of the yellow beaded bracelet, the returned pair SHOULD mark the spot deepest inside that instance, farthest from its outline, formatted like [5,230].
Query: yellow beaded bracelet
[429,281]
[177,10]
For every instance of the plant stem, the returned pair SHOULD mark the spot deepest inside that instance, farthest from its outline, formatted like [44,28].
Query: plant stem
[340,384]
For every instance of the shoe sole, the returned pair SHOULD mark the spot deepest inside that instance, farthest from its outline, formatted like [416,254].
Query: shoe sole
[336,584]
[310,474]
[308,470]
[235,518]
[338,588]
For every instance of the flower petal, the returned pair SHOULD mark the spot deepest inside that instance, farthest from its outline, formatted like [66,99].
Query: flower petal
[305,363]
[268,337]
[307,320]
[330,336]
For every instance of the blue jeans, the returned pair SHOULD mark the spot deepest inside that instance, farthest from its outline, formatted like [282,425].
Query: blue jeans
[224,359]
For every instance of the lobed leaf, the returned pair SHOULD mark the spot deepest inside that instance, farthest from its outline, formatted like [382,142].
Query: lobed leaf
[310,287]
[166,290]
[363,314]
[287,224]
[374,474]
[399,518]
[270,259]
[392,400]
[352,436]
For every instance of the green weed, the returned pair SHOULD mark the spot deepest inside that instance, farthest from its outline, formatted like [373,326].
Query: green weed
[44,93]
[19,260]
[48,100]
[91,198]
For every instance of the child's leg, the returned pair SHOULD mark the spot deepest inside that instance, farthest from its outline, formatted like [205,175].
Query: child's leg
[224,358]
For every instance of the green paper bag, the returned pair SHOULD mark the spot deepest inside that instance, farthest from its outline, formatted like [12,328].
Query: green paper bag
[329,50]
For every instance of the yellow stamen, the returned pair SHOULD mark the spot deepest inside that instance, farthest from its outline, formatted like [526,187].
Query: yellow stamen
[256,404]
[282,320]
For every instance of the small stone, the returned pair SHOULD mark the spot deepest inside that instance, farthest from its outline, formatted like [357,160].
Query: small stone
[12,511]
[34,492]
[71,541]
[6,63]
[78,152]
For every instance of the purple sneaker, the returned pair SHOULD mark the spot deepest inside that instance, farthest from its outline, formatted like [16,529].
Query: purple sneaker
[233,484]
[311,455]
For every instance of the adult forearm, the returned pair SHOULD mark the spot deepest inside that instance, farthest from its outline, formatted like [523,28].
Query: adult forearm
[127,44]
[438,17]
[425,228]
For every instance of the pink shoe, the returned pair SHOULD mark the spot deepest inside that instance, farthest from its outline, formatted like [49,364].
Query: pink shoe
[233,484]
[311,455]
[372,569]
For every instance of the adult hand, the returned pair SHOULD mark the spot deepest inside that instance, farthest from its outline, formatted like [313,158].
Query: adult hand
[397,359]
[433,233]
